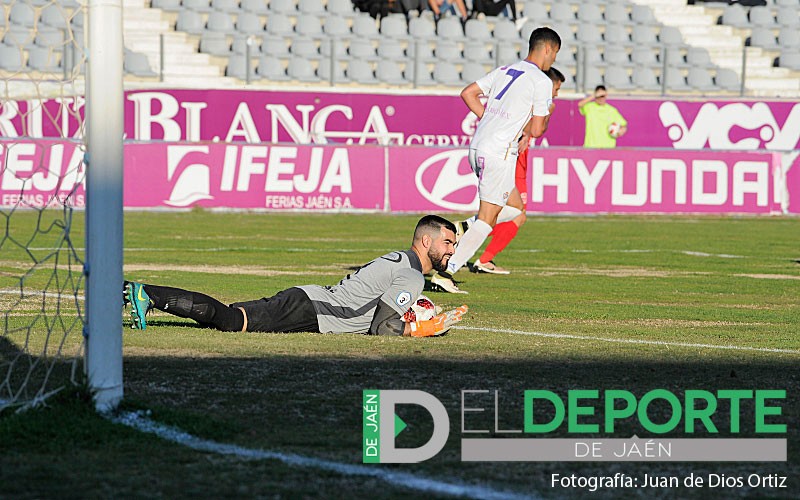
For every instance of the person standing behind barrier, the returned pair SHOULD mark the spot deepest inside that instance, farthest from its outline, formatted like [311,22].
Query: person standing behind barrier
[599,117]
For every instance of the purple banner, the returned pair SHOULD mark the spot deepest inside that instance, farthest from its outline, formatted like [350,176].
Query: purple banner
[43,173]
[664,181]
[279,177]
[428,120]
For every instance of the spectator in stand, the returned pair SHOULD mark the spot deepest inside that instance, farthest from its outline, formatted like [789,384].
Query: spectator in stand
[599,117]
[439,7]
[493,8]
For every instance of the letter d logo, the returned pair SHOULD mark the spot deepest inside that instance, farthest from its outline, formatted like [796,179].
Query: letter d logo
[382,425]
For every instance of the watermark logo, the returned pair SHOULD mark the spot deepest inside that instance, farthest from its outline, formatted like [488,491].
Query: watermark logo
[381,426]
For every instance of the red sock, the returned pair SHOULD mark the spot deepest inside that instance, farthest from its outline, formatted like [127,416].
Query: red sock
[502,234]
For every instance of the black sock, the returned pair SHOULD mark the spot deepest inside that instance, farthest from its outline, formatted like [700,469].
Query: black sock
[206,310]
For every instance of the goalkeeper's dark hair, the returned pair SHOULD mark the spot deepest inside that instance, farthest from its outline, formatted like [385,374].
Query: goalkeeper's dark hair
[432,224]
[555,75]
[541,36]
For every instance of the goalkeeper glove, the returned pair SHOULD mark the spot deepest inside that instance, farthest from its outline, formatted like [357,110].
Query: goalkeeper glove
[439,325]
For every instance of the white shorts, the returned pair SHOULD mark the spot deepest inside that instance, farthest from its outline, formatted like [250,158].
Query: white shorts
[495,176]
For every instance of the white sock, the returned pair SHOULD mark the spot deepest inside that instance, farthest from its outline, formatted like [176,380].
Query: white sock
[468,245]
[508,213]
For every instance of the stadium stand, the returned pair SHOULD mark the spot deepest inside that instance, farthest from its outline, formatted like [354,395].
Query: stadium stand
[630,45]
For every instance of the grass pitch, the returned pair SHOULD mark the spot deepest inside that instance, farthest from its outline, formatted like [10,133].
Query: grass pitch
[611,302]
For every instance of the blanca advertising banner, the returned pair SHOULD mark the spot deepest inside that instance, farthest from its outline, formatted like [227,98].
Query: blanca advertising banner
[428,120]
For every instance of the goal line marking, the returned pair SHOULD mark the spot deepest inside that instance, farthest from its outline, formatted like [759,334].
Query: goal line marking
[139,421]
[629,341]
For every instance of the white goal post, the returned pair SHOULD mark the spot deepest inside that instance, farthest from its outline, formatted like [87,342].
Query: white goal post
[104,224]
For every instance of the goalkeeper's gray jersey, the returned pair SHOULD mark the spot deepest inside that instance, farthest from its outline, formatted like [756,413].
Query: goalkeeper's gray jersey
[395,278]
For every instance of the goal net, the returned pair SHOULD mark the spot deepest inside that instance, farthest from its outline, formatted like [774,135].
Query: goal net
[43,145]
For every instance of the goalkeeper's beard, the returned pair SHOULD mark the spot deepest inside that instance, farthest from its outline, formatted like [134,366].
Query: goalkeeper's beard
[438,261]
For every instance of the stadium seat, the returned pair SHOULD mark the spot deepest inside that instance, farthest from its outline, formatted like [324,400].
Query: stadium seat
[137,63]
[215,44]
[421,27]
[324,72]
[203,6]
[274,45]
[419,74]
[449,28]
[762,37]
[735,15]
[362,49]
[446,73]
[340,46]
[698,57]
[616,56]
[643,34]
[220,22]
[22,14]
[308,25]
[336,26]
[591,77]
[282,6]
[675,57]
[478,51]
[391,50]
[527,29]
[255,6]
[617,14]
[727,79]
[675,80]
[394,27]
[700,79]
[42,59]
[237,67]
[421,50]
[447,50]
[790,58]
[304,48]
[536,12]
[360,71]
[472,72]
[589,33]
[312,7]
[342,8]
[505,31]
[190,21]
[271,68]
[590,13]
[240,45]
[167,5]
[477,30]
[279,24]
[10,58]
[50,38]
[616,36]
[645,57]
[617,78]
[249,25]
[670,35]
[788,16]
[789,38]
[300,69]
[643,15]
[229,6]
[508,53]
[365,27]
[54,17]
[761,15]
[645,79]
[389,72]
[561,12]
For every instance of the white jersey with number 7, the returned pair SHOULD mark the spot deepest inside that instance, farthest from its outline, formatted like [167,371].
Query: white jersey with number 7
[515,93]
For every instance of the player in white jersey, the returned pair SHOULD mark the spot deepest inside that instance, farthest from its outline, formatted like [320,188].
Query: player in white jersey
[371,300]
[518,101]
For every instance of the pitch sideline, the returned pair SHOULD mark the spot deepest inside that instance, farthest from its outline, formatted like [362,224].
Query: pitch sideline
[629,341]
[139,421]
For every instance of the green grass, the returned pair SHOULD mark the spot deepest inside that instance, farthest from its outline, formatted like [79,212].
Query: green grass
[677,280]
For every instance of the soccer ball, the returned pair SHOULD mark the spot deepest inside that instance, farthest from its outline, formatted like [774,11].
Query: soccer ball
[614,129]
[423,309]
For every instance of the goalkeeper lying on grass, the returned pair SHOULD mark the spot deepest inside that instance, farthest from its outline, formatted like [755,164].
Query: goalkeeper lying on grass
[372,300]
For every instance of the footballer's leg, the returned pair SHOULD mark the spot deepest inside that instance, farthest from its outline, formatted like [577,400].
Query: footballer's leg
[202,308]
